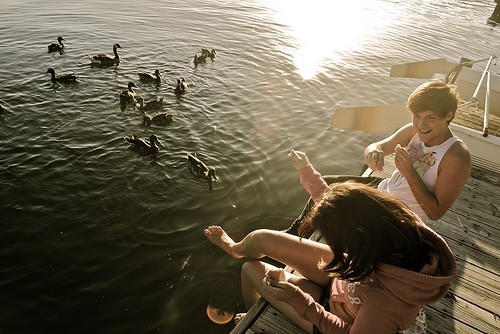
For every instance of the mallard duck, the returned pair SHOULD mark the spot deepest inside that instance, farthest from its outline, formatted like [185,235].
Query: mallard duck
[182,86]
[156,76]
[144,146]
[205,53]
[127,97]
[208,53]
[159,119]
[199,59]
[106,59]
[57,47]
[65,78]
[200,169]
[150,105]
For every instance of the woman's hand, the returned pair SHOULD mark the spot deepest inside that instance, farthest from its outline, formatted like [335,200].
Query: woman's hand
[299,159]
[275,284]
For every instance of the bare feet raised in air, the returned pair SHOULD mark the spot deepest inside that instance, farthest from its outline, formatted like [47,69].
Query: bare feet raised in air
[220,238]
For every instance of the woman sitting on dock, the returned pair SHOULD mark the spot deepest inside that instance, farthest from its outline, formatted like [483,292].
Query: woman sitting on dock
[379,265]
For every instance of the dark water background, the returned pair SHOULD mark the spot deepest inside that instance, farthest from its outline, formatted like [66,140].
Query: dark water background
[93,238]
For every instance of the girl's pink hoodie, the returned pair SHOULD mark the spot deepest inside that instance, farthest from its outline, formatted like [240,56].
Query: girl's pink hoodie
[386,302]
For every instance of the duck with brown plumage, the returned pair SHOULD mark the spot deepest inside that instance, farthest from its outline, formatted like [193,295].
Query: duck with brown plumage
[57,47]
[65,78]
[154,104]
[151,77]
[127,97]
[144,146]
[163,118]
[104,60]
[181,87]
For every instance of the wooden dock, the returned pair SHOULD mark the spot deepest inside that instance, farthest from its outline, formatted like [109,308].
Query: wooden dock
[472,229]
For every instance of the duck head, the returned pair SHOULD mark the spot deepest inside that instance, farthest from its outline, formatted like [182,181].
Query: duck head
[154,139]
[52,74]
[146,120]
[131,86]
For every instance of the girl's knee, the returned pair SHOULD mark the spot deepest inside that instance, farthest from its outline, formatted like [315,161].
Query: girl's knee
[253,272]
[251,268]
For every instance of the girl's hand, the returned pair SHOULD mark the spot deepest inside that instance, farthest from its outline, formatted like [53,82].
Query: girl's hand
[299,159]
[275,284]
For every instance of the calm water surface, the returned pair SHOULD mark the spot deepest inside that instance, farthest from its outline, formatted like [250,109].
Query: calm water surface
[95,239]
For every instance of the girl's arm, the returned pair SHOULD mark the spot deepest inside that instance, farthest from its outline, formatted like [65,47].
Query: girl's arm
[309,177]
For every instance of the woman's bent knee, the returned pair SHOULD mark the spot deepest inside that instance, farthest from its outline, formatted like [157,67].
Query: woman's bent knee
[251,267]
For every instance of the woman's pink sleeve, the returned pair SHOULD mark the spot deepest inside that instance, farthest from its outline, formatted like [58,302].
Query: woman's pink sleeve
[313,182]
[376,316]
[307,308]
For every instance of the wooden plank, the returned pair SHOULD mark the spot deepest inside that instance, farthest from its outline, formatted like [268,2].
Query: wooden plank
[456,312]
[423,69]
[467,286]
[479,202]
[251,316]
[469,231]
[273,321]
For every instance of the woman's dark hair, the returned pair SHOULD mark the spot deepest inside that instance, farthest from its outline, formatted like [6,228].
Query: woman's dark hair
[365,227]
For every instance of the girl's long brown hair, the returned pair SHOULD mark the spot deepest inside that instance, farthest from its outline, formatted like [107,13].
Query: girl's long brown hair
[365,227]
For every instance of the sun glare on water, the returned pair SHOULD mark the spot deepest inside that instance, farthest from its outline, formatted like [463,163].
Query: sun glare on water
[324,28]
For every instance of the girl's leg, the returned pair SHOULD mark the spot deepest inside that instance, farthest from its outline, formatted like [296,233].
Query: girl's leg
[301,254]
[252,275]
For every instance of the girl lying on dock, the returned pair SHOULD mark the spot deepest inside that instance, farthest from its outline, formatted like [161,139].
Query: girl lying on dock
[379,265]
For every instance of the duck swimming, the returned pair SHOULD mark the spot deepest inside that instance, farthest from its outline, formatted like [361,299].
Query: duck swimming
[199,59]
[150,105]
[205,53]
[208,53]
[106,59]
[159,119]
[151,77]
[200,169]
[57,47]
[65,78]
[144,146]
[182,86]
[127,97]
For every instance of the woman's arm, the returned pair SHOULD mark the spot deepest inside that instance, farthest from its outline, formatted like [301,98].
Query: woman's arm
[309,177]
[377,314]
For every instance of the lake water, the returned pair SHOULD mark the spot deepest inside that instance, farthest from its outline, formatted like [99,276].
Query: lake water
[94,238]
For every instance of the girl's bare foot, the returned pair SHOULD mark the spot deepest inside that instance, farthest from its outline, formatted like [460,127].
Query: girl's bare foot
[238,317]
[220,238]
